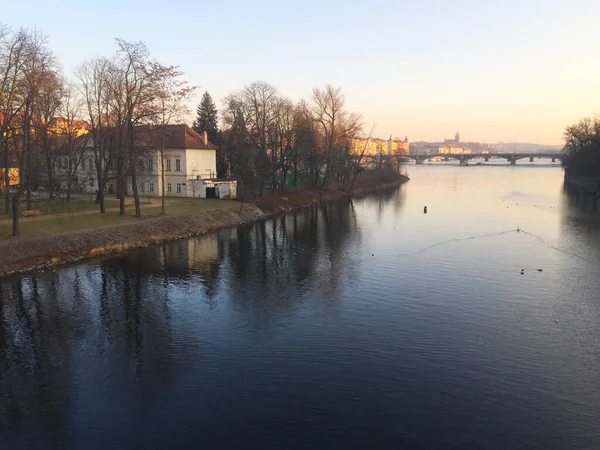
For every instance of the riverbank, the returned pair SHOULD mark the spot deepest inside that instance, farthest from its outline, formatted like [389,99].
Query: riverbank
[41,252]
[301,198]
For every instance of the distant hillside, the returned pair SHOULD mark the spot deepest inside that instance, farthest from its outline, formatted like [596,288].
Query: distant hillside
[522,147]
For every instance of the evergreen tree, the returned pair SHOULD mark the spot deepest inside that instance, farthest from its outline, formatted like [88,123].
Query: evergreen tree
[207,119]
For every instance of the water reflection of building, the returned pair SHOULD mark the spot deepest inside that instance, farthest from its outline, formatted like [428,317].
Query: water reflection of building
[181,256]
[182,259]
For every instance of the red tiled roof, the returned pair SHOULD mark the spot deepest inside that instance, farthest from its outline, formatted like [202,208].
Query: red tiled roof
[182,136]
[177,136]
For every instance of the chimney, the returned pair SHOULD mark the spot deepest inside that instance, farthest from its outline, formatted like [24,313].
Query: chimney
[205,137]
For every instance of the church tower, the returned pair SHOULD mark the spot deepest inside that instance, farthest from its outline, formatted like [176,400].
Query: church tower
[457,138]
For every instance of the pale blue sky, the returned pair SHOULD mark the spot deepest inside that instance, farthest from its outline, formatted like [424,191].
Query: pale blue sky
[497,70]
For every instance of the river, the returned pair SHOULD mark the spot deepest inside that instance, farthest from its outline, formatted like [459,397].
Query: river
[360,324]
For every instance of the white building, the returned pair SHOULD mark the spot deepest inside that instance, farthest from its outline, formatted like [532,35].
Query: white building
[190,163]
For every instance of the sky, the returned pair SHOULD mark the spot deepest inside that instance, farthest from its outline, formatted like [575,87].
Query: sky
[497,71]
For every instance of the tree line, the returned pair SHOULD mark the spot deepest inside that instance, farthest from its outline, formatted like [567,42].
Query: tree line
[267,140]
[582,147]
[42,112]
[270,141]
[269,137]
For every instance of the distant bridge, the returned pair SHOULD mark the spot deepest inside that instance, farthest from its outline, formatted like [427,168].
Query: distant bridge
[464,158]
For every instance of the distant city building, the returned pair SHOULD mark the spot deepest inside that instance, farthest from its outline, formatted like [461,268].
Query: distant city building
[455,141]
[445,149]
[448,147]
[375,146]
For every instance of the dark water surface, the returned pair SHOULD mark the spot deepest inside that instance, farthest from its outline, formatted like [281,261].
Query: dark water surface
[363,324]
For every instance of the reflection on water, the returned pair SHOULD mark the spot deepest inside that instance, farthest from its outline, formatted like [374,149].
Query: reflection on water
[108,325]
[324,328]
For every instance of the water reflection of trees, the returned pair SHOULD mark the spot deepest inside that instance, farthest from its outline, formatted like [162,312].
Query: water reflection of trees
[580,225]
[36,332]
[112,321]
[580,205]
[275,261]
[56,326]
[392,199]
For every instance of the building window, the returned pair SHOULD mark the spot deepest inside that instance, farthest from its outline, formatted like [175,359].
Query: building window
[178,187]
[151,187]
[83,164]
[177,165]
[150,165]
[168,164]
[141,165]
[91,163]
[169,187]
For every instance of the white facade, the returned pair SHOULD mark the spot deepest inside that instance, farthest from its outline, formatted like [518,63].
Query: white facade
[212,189]
[184,165]
[181,167]
[188,156]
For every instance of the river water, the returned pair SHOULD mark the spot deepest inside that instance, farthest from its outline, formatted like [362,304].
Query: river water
[361,324]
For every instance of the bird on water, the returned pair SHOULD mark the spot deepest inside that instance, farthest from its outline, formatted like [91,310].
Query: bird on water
[425,210]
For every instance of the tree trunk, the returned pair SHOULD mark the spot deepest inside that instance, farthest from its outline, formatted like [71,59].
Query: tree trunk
[240,185]
[121,181]
[51,185]
[273,174]
[101,185]
[15,215]
[283,179]
[355,172]
[121,166]
[28,171]
[121,195]
[162,178]
[28,192]
[134,187]
[25,172]
[101,200]
[6,182]
[296,170]
[50,177]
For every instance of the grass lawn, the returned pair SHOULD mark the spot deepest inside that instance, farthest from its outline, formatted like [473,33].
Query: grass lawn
[58,206]
[61,221]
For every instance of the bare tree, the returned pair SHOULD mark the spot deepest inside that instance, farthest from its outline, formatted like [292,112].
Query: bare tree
[134,105]
[358,158]
[38,61]
[282,140]
[307,152]
[69,129]
[12,63]
[336,126]
[237,141]
[46,124]
[260,100]
[172,94]
[94,80]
